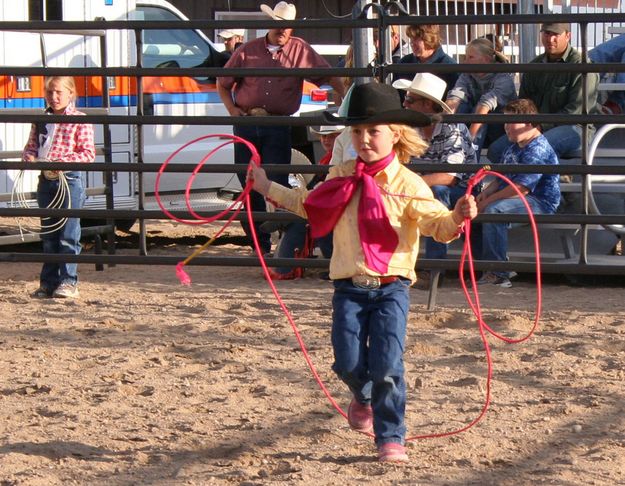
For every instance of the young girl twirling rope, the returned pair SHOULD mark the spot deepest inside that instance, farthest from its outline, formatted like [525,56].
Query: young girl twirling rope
[377,209]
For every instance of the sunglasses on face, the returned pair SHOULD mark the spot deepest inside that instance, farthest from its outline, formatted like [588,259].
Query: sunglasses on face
[410,100]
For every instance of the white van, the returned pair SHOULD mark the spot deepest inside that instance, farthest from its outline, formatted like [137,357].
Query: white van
[196,96]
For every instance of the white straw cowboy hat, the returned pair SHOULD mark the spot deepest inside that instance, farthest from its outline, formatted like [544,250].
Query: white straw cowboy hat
[326,129]
[426,85]
[282,11]
[228,33]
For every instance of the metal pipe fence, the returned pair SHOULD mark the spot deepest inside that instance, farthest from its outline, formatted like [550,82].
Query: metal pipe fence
[378,70]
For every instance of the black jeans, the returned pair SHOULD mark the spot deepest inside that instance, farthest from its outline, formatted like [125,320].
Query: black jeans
[274,147]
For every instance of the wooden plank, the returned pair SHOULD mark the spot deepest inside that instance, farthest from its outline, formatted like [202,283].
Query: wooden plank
[90,191]
[603,187]
[616,30]
[17,154]
[611,87]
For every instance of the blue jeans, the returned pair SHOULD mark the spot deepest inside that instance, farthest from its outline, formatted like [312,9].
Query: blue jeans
[65,240]
[495,235]
[612,50]
[368,335]
[274,147]
[565,140]
[294,238]
[449,197]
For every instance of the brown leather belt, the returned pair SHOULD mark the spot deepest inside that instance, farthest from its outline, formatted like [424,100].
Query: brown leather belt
[50,175]
[370,282]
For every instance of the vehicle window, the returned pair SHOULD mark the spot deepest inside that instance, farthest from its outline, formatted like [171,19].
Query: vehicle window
[176,47]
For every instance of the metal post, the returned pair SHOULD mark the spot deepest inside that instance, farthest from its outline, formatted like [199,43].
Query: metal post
[527,33]
[362,43]
[566,6]
[583,245]
[143,246]
[108,148]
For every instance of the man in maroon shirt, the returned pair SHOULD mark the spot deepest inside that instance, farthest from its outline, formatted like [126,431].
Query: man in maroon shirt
[263,95]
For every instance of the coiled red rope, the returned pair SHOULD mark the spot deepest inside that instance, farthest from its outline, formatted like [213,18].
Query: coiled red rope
[466,259]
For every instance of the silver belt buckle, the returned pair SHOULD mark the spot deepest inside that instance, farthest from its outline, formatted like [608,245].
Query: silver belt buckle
[258,112]
[366,282]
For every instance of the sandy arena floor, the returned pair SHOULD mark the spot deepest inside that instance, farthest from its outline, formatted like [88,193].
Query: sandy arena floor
[144,381]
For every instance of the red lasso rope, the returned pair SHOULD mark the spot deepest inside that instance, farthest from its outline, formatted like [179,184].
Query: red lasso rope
[236,203]
[466,257]
[474,302]
[236,206]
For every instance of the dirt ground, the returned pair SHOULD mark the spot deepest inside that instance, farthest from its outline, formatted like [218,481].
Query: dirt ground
[144,381]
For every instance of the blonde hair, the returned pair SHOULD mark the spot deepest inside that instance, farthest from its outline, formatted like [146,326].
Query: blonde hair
[66,81]
[486,48]
[410,143]
[349,63]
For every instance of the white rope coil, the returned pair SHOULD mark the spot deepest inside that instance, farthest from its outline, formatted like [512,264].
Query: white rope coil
[18,200]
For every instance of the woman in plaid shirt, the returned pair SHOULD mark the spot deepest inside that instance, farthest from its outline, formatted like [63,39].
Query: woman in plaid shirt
[60,142]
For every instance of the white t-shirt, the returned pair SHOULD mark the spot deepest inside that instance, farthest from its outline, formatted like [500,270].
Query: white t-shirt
[343,149]
[45,141]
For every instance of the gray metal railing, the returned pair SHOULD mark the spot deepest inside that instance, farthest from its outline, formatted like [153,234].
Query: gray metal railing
[378,70]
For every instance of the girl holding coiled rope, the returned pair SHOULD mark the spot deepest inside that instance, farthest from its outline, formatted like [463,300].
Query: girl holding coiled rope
[60,142]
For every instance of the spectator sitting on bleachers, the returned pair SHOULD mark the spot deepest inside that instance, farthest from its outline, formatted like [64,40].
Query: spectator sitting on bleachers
[555,93]
[396,43]
[612,51]
[542,191]
[449,143]
[482,93]
[426,44]
[495,40]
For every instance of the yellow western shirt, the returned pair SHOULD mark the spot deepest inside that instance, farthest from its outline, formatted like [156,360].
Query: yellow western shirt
[411,208]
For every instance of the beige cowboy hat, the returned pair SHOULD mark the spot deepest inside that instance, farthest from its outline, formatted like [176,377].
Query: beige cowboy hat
[282,11]
[426,85]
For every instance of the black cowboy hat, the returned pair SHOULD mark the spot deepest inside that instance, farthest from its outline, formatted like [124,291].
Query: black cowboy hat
[376,103]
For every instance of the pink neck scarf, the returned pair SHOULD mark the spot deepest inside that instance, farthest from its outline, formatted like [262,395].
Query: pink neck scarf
[325,205]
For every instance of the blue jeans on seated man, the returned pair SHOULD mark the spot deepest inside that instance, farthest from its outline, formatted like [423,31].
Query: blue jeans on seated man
[65,240]
[566,140]
[449,195]
[274,147]
[294,238]
[368,336]
[495,235]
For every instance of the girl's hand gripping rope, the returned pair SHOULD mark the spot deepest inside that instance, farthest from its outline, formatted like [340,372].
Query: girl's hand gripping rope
[465,209]
[258,178]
